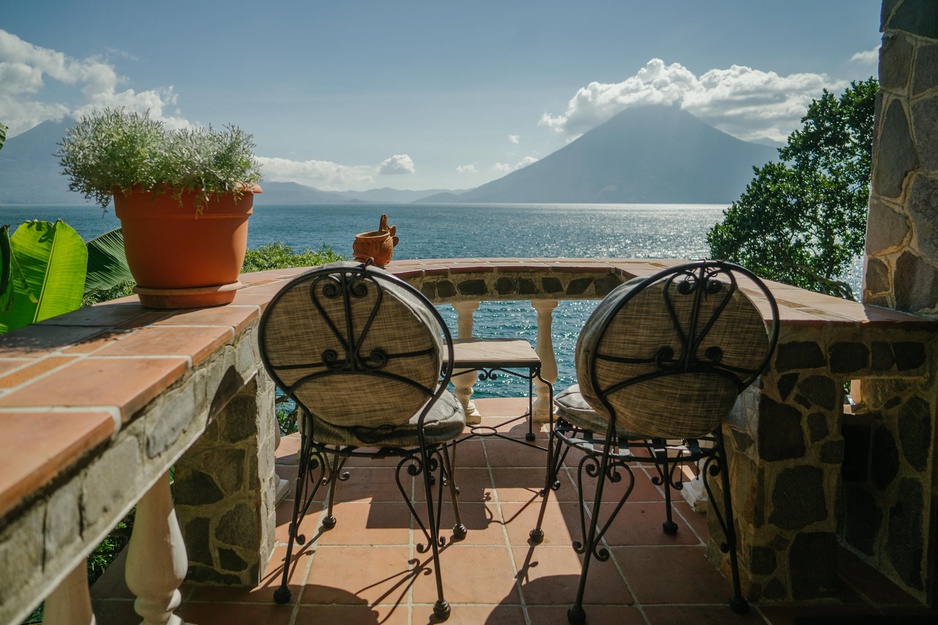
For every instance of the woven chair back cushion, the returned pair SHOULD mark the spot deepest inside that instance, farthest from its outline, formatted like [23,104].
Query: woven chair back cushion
[681,404]
[297,337]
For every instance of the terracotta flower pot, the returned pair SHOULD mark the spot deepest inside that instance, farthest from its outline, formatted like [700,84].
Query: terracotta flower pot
[179,256]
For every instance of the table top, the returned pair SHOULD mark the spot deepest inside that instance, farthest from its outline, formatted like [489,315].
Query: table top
[488,353]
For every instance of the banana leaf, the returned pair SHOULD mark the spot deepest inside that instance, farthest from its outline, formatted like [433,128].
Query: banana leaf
[6,287]
[107,264]
[48,263]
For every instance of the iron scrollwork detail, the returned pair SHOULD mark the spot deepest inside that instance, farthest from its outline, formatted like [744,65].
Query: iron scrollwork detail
[357,287]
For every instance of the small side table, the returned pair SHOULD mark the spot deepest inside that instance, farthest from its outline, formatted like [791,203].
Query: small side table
[489,357]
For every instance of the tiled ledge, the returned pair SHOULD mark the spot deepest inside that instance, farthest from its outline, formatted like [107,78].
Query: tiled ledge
[71,386]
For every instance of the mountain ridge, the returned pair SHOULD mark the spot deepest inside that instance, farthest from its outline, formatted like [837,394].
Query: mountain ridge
[651,154]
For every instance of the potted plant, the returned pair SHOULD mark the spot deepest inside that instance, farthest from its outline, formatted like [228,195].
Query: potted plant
[183,198]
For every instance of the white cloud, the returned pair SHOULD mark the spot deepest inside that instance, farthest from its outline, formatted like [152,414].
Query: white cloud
[397,164]
[867,57]
[466,169]
[78,86]
[516,139]
[323,175]
[747,103]
[330,176]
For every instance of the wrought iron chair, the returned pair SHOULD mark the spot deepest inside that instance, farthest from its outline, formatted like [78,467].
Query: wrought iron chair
[660,364]
[367,358]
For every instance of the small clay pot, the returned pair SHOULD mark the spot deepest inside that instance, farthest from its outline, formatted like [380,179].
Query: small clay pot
[377,245]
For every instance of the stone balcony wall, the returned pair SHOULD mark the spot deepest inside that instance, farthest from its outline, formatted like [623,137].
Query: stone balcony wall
[797,456]
[890,441]
[96,406]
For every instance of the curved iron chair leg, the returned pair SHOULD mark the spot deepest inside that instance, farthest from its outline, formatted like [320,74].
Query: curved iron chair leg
[329,520]
[282,594]
[441,608]
[738,602]
[554,461]
[576,614]
[459,529]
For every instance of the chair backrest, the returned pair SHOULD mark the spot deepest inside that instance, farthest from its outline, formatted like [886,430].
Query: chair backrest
[355,346]
[668,355]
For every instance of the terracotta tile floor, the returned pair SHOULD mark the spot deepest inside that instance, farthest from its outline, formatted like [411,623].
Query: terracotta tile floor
[363,570]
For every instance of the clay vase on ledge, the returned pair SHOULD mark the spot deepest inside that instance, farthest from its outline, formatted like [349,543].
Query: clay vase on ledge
[377,245]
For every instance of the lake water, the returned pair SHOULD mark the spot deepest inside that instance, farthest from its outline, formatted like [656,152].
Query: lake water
[460,231]
[433,231]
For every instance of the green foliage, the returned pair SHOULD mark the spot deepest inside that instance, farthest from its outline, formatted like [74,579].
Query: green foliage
[3,134]
[6,271]
[287,414]
[47,265]
[36,616]
[122,289]
[281,256]
[106,552]
[802,220]
[114,149]
[108,272]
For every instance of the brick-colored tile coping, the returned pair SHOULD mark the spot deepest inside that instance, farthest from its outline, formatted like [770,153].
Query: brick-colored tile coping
[69,384]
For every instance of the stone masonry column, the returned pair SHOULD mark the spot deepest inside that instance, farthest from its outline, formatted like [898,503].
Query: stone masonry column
[225,490]
[785,451]
[793,470]
[901,272]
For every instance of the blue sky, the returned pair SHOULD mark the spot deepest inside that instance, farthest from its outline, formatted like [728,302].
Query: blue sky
[420,94]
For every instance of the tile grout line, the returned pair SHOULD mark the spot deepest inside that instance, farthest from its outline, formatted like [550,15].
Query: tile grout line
[507,541]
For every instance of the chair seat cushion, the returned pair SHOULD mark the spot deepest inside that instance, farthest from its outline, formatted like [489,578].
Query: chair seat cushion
[574,409]
[445,421]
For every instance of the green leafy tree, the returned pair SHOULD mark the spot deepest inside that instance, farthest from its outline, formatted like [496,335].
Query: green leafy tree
[802,220]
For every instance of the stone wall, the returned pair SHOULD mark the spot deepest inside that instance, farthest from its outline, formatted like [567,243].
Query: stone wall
[902,230]
[788,454]
[888,498]
[506,285]
[56,527]
[223,490]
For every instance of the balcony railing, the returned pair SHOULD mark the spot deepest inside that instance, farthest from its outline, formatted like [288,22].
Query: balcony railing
[97,405]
